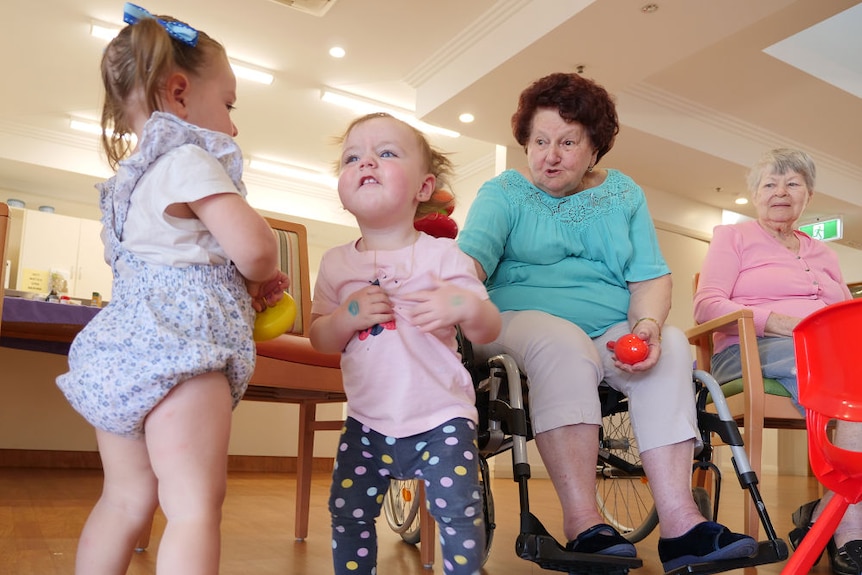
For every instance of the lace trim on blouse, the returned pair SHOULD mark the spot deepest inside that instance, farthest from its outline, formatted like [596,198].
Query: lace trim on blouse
[613,195]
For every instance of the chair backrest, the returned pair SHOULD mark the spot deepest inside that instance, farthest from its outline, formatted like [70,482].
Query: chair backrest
[293,257]
[829,370]
[4,236]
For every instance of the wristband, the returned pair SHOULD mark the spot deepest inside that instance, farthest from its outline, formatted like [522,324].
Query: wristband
[655,321]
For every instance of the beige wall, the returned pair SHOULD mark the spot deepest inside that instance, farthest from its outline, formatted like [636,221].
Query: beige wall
[34,414]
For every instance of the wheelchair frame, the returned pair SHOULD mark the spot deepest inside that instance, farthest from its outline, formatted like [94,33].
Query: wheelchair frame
[504,426]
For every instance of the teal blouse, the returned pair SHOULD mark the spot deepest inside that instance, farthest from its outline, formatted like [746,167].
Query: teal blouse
[571,257]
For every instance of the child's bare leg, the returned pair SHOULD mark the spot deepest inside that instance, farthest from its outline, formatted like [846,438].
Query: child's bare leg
[187,436]
[125,507]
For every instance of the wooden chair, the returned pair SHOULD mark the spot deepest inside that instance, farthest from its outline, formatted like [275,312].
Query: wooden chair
[289,370]
[754,401]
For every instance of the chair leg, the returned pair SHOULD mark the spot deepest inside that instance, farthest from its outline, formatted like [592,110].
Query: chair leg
[815,540]
[428,529]
[304,462]
[144,538]
[753,438]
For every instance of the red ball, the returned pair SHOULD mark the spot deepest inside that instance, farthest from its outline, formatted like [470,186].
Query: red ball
[629,349]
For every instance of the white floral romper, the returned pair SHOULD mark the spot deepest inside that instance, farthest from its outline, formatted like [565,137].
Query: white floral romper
[164,324]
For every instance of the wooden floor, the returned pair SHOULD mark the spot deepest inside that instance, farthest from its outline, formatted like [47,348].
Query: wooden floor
[42,512]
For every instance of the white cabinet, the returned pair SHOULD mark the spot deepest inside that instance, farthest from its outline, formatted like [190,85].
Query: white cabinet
[63,244]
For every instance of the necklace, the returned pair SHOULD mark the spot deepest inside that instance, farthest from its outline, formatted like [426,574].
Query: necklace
[391,282]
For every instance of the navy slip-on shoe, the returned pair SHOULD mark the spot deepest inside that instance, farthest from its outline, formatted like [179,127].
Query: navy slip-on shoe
[602,539]
[704,543]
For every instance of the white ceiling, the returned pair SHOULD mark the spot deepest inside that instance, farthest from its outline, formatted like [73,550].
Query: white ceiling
[703,87]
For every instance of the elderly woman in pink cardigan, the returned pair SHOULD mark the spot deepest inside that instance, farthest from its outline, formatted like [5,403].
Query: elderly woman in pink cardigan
[782,275]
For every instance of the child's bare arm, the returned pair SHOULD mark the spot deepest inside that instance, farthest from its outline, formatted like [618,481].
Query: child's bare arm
[244,235]
[361,310]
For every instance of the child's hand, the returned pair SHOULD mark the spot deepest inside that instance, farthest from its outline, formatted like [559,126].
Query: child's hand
[441,307]
[361,310]
[365,308]
[268,293]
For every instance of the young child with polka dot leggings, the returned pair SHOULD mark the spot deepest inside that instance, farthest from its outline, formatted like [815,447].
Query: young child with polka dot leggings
[389,303]
[445,458]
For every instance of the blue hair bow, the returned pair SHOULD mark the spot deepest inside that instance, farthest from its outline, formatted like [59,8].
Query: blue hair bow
[176,30]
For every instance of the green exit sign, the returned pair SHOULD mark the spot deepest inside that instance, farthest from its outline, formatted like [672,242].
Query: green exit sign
[825,230]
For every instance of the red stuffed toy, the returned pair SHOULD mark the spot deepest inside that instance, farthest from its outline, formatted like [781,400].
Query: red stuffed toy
[438,223]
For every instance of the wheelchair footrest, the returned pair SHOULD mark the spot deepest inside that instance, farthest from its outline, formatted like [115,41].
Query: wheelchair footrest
[767,552]
[545,551]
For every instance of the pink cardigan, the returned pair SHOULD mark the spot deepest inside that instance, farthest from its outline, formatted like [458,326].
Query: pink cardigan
[745,267]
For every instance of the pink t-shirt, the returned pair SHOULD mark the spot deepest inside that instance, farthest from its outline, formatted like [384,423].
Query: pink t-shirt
[400,381]
[746,267]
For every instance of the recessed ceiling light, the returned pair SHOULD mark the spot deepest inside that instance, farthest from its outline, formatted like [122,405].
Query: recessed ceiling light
[253,74]
[466,118]
[337,52]
[741,201]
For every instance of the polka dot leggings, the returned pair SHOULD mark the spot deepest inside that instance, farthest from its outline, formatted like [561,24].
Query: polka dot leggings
[445,458]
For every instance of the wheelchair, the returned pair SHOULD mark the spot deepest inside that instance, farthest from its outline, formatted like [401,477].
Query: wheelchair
[622,490]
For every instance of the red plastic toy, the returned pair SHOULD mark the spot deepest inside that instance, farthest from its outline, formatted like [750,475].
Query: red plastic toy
[629,348]
[438,223]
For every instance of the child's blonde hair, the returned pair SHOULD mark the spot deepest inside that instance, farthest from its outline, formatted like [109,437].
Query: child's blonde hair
[136,63]
[436,162]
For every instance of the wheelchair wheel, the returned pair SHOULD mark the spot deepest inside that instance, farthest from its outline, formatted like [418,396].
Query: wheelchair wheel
[487,507]
[622,491]
[401,507]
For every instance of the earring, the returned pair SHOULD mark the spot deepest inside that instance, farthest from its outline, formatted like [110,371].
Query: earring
[589,168]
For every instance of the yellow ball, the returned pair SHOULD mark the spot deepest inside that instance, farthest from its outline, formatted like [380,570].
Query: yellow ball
[275,320]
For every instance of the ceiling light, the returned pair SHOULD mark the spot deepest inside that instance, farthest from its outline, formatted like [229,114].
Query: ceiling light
[103,31]
[95,128]
[466,118]
[337,52]
[741,201]
[254,74]
[88,126]
[361,105]
[108,32]
[292,172]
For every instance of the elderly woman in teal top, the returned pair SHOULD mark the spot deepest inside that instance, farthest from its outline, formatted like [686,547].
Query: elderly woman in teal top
[570,256]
